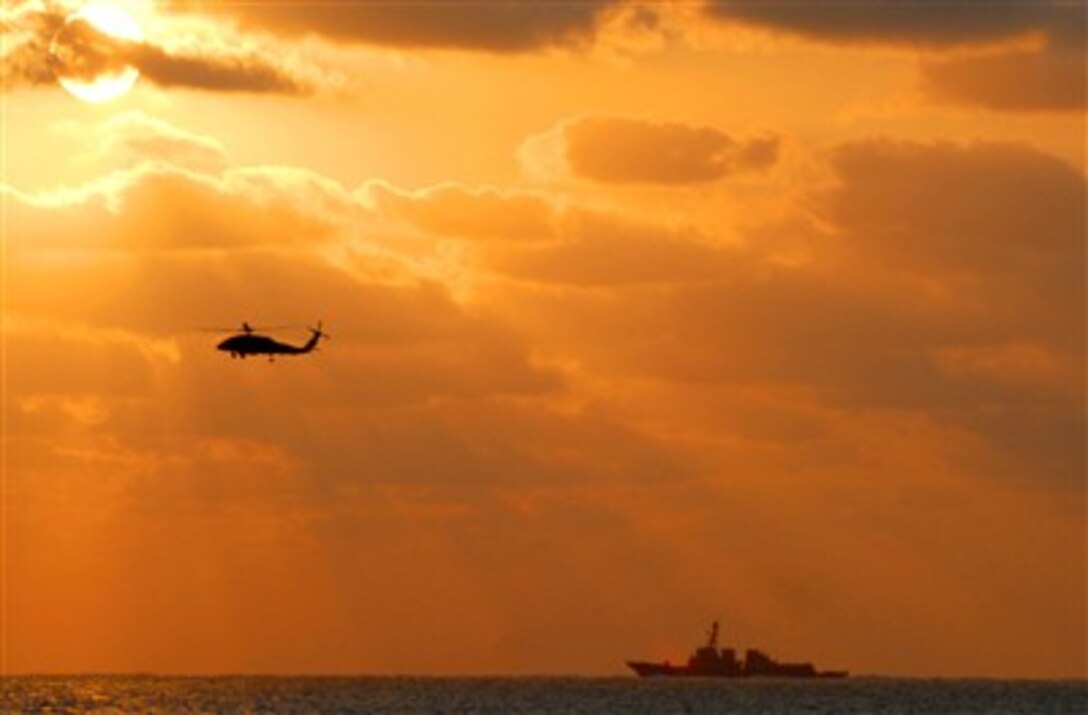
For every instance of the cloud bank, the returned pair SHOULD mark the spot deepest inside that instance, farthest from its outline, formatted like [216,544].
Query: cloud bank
[503,26]
[523,388]
[1048,76]
[935,24]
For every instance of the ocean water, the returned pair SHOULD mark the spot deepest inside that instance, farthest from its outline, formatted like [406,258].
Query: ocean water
[531,696]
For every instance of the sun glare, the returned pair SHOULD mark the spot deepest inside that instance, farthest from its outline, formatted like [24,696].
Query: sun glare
[92,71]
[111,20]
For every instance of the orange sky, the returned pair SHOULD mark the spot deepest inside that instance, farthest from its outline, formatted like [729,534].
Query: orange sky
[644,315]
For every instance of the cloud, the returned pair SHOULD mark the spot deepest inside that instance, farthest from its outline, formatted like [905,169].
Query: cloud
[132,138]
[28,29]
[1017,218]
[485,214]
[173,248]
[508,26]
[1048,75]
[619,150]
[934,24]
[595,249]
[1049,79]
[156,207]
[41,46]
[610,387]
[425,427]
[531,237]
[237,73]
[946,280]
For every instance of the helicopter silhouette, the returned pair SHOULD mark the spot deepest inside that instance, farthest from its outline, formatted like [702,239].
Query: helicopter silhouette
[248,342]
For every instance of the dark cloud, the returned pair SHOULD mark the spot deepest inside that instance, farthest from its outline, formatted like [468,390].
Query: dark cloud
[496,26]
[43,46]
[1049,77]
[80,51]
[988,211]
[249,73]
[631,151]
[935,23]
[1050,80]
[27,35]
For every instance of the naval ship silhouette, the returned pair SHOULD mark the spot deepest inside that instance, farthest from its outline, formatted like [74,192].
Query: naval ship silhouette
[714,662]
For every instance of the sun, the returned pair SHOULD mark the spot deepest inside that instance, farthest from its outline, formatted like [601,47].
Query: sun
[91,53]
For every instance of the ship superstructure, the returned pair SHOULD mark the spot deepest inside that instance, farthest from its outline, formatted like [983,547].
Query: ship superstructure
[712,661]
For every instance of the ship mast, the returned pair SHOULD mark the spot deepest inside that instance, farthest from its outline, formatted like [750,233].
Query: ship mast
[712,641]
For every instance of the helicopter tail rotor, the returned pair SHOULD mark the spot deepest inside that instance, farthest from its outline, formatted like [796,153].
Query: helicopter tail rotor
[315,338]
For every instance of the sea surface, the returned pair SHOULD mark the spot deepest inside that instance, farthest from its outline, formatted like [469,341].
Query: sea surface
[533,695]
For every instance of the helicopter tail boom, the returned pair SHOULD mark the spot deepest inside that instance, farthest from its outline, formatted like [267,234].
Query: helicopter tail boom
[311,344]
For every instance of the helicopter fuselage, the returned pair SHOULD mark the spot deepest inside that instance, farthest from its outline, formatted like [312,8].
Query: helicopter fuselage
[249,344]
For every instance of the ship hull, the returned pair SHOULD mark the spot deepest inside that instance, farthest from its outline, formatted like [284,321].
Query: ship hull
[666,670]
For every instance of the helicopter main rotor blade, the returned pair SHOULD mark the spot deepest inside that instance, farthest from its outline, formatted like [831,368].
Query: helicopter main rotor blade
[243,328]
